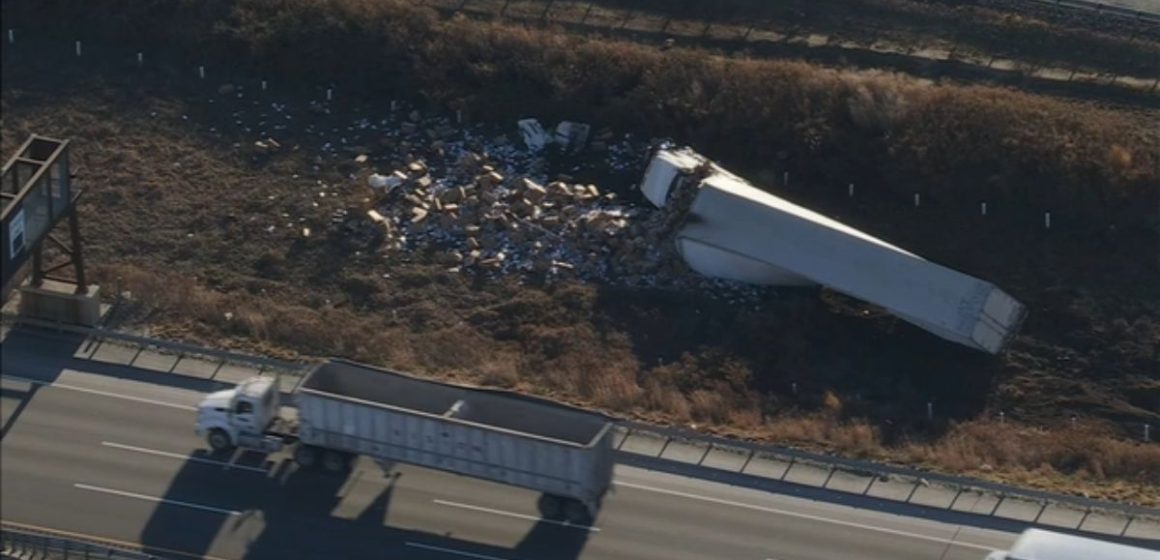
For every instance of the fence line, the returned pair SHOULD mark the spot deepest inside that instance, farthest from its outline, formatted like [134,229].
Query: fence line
[768,34]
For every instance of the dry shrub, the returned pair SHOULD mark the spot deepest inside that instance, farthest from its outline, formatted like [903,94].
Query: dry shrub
[708,406]
[501,369]
[832,403]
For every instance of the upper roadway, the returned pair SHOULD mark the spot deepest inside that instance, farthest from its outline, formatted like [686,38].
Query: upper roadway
[116,458]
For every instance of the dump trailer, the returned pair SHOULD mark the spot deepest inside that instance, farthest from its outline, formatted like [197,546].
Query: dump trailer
[342,410]
[1037,544]
[730,229]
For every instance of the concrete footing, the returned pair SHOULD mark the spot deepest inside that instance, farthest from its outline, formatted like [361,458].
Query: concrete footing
[60,302]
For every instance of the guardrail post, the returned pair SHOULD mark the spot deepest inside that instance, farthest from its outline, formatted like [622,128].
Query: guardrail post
[829,476]
[752,452]
[997,504]
[1042,508]
[1083,519]
[913,491]
[627,433]
[707,450]
[792,461]
[957,494]
[668,440]
[1131,518]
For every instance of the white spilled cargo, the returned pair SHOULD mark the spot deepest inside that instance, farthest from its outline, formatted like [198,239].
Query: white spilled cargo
[736,231]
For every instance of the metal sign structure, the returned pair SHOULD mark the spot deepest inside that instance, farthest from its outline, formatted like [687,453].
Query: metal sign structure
[36,193]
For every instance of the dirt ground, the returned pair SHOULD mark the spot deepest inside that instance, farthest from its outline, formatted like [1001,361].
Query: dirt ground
[180,212]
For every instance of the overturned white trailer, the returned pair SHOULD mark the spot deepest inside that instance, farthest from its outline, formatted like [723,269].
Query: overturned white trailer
[735,231]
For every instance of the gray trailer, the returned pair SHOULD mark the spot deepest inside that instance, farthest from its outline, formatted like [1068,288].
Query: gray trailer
[344,409]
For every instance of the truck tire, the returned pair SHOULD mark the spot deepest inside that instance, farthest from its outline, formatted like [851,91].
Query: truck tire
[306,456]
[335,461]
[576,512]
[219,440]
[550,506]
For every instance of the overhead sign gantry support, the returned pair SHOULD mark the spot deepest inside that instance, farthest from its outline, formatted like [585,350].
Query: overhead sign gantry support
[36,194]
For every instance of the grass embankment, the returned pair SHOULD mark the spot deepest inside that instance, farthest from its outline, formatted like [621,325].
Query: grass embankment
[726,367]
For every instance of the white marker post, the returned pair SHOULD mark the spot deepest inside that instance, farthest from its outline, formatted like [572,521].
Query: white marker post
[78,48]
[329,94]
[1147,432]
[929,410]
[1047,220]
[785,178]
[11,36]
[263,85]
[140,58]
[201,71]
[917,199]
[459,116]
[851,190]
[983,208]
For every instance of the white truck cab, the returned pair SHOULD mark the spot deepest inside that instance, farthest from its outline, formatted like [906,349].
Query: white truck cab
[242,414]
[1038,544]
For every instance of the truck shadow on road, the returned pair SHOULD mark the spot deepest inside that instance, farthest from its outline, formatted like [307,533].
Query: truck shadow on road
[261,509]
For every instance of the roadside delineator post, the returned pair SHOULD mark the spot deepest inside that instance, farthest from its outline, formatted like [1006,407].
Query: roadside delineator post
[78,48]
[329,94]
[263,85]
[140,58]
[851,190]
[785,178]
[11,36]
[1147,432]
[929,410]
[201,72]
[983,208]
[917,200]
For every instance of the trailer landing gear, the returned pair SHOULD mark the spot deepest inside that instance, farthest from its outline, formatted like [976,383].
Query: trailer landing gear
[559,508]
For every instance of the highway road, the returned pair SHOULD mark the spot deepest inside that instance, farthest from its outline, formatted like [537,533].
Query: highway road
[117,458]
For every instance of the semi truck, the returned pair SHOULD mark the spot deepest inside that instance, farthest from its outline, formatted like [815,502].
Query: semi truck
[1038,544]
[727,228]
[341,410]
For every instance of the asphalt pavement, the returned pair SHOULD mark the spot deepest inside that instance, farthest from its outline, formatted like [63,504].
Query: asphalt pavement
[117,458]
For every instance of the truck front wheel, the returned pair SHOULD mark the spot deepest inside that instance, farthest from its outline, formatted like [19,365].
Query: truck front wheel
[306,456]
[219,440]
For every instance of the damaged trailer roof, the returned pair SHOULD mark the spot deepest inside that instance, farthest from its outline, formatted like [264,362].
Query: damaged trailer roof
[736,231]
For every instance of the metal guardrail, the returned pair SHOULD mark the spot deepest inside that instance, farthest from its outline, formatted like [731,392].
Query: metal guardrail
[947,491]
[1035,504]
[25,543]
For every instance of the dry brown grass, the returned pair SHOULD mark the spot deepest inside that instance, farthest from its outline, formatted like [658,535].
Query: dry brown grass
[953,143]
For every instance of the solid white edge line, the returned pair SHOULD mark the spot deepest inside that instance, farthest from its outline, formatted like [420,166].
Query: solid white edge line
[452,551]
[154,499]
[810,517]
[513,514]
[99,392]
[172,455]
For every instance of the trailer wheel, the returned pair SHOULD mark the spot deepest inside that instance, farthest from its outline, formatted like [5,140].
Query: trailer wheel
[335,461]
[219,440]
[306,456]
[576,512]
[549,506]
